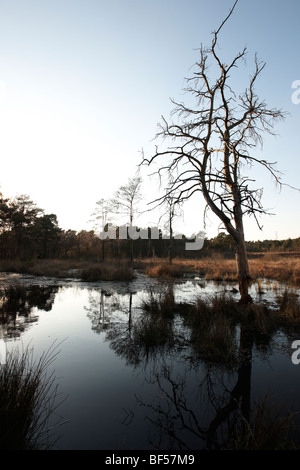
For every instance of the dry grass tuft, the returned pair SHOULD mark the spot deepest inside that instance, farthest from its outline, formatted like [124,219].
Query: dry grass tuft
[276,266]
[212,329]
[27,401]
[155,329]
[272,428]
[107,272]
[87,271]
[164,270]
[289,306]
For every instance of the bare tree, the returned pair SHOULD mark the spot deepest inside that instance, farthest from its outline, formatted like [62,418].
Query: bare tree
[214,140]
[126,198]
[125,201]
[100,216]
[173,209]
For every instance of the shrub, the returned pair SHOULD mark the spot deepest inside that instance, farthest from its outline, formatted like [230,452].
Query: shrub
[164,270]
[212,331]
[161,302]
[107,272]
[289,305]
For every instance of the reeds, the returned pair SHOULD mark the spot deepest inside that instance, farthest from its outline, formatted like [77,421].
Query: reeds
[212,329]
[275,266]
[164,270]
[289,306]
[154,330]
[212,323]
[153,334]
[49,268]
[271,428]
[108,272]
[85,270]
[160,301]
[28,399]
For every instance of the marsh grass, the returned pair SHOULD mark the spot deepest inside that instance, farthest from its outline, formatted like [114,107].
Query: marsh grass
[212,326]
[289,306]
[276,266]
[213,323]
[87,271]
[109,271]
[28,400]
[271,428]
[160,301]
[49,268]
[154,333]
[155,329]
[222,332]
[164,270]
[279,267]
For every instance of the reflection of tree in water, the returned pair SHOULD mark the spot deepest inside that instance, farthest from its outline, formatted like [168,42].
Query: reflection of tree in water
[17,303]
[107,308]
[188,412]
[132,333]
[194,401]
[213,411]
[111,312]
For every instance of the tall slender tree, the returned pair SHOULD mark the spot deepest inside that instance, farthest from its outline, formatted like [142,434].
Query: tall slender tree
[172,209]
[127,197]
[126,200]
[100,216]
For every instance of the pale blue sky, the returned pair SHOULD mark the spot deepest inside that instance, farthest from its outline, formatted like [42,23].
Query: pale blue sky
[83,84]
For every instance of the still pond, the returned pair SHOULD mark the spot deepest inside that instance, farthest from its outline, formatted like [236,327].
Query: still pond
[120,391]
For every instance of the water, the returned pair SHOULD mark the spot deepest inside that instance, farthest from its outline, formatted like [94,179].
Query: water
[119,393]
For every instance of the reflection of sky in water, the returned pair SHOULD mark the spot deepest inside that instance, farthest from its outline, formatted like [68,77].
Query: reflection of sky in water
[104,393]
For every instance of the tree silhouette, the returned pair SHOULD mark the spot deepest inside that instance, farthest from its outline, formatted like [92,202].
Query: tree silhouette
[125,202]
[214,140]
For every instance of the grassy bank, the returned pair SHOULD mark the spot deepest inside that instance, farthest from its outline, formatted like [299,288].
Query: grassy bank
[221,332]
[275,266]
[212,322]
[84,270]
[27,401]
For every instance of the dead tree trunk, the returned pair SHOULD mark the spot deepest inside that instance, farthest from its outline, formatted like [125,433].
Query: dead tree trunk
[215,141]
[243,270]
[241,253]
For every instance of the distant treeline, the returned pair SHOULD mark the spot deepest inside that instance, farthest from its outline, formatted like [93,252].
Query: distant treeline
[26,232]
[223,243]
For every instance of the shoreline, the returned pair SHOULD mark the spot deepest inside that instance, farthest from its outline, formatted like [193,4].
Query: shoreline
[273,266]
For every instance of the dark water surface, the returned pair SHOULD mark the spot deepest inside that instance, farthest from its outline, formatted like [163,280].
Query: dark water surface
[120,392]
